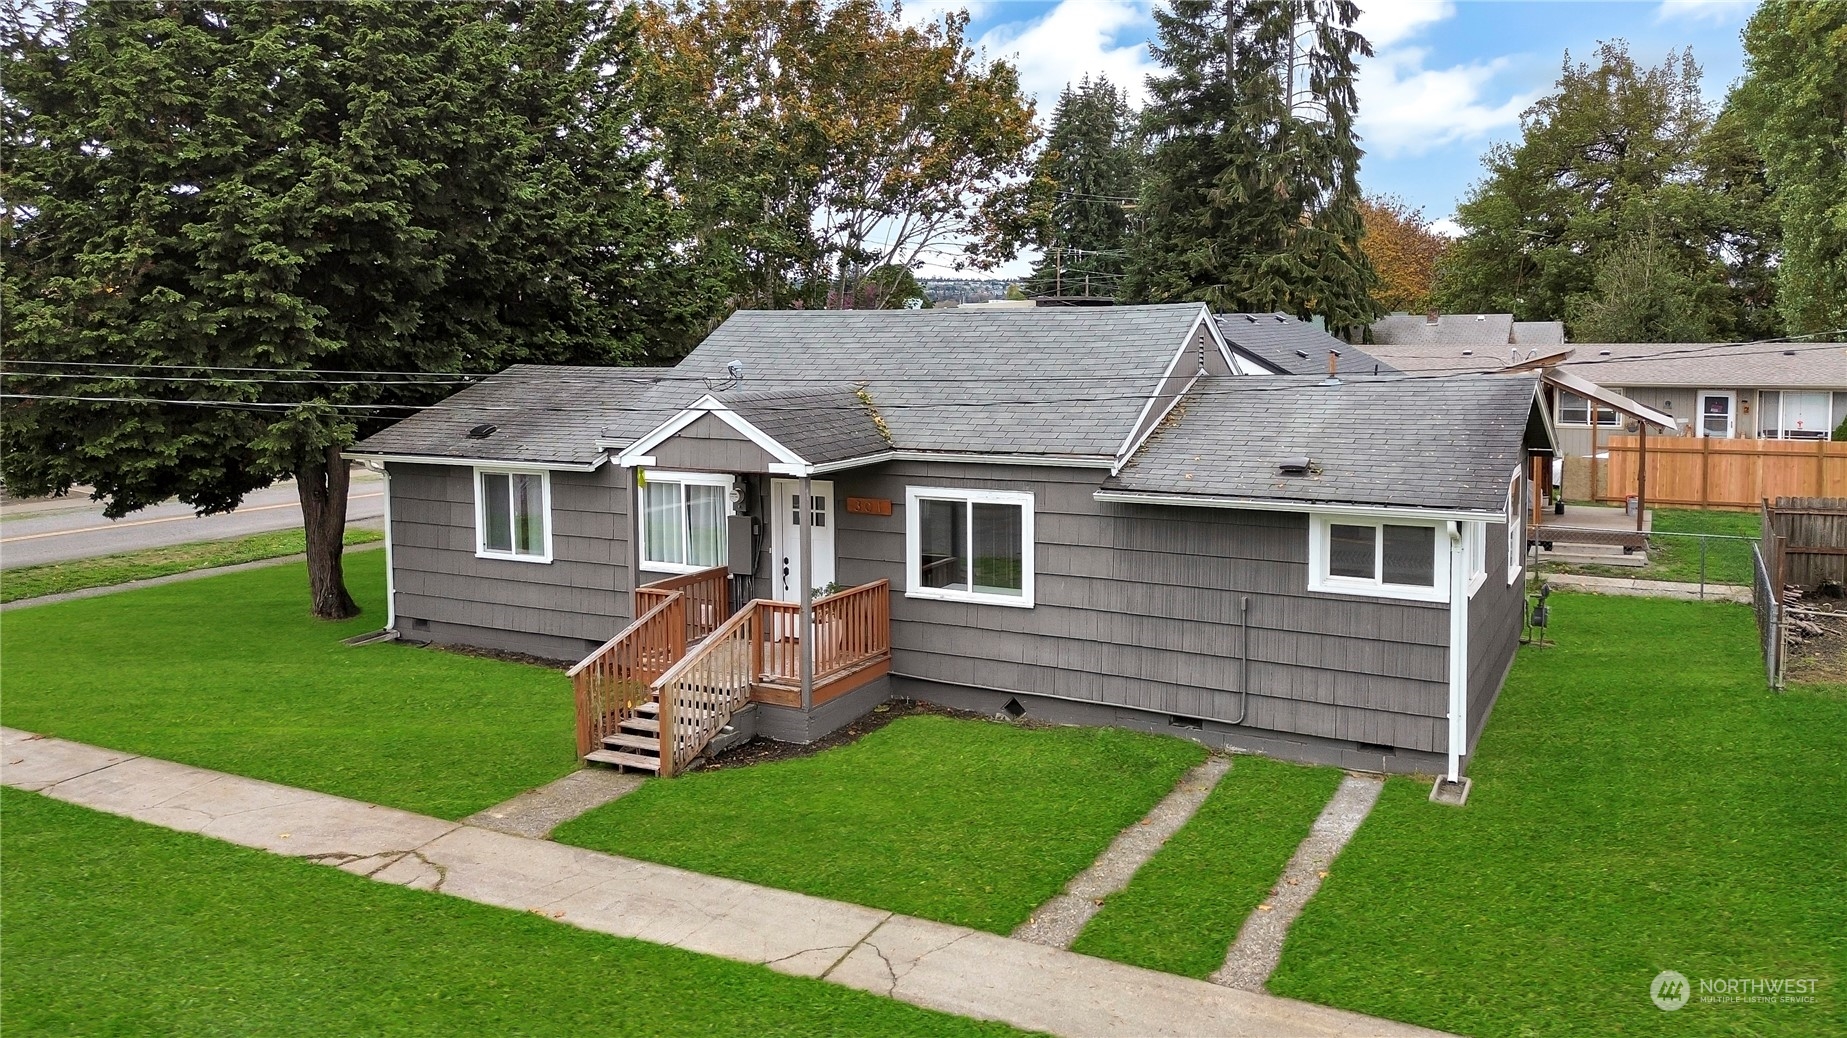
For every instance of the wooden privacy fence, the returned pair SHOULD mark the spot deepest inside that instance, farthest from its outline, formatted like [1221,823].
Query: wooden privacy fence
[1805,541]
[1706,472]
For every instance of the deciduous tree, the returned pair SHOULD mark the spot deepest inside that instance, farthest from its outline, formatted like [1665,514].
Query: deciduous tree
[226,220]
[1403,251]
[816,142]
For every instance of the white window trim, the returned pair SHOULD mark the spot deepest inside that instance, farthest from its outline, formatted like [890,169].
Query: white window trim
[1516,526]
[1320,580]
[710,479]
[482,551]
[1475,536]
[1591,407]
[913,518]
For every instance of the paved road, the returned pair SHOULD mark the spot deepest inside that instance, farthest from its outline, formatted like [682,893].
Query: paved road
[33,532]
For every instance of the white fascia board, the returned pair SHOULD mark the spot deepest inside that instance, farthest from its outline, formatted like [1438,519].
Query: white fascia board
[1545,414]
[1224,344]
[436,459]
[1142,425]
[790,463]
[1128,497]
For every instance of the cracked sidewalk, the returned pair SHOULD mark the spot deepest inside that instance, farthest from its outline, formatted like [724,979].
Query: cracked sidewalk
[924,963]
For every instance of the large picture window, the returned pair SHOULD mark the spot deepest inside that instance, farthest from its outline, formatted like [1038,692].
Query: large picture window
[1374,556]
[969,545]
[513,515]
[683,520]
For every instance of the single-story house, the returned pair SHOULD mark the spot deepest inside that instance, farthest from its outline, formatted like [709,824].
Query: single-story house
[1086,515]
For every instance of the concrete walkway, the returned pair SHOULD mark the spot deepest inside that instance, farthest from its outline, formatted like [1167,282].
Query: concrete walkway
[943,967]
[1647,588]
[1259,947]
[536,812]
[174,578]
[1058,922]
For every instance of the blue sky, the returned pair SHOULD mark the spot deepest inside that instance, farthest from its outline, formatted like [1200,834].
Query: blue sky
[1449,77]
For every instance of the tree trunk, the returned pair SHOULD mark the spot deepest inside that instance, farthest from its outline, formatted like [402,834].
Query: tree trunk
[323,485]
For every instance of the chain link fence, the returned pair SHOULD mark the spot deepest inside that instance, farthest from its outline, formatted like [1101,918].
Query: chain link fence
[1767,603]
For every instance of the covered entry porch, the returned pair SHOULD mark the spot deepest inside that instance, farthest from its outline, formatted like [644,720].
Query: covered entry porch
[765,630]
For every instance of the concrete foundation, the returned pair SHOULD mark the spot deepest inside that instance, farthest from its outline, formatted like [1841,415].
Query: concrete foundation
[1218,735]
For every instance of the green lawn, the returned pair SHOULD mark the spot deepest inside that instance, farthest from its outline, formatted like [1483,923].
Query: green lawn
[1641,803]
[57,577]
[969,822]
[111,927]
[230,672]
[1678,558]
[1184,908]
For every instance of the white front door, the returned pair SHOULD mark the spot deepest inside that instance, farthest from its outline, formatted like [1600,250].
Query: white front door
[786,537]
[1718,413]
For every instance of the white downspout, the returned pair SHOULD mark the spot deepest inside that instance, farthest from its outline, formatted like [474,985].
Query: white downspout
[391,580]
[1458,649]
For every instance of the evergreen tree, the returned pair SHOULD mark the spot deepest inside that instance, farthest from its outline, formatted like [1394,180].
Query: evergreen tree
[1793,99]
[202,193]
[1252,194]
[1089,172]
[1640,295]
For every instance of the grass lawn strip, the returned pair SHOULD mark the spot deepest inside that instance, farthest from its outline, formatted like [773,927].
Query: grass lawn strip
[1678,558]
[112,927]
[58,577]
[232,673]
[1641,803]
[1184,908]
[969,822]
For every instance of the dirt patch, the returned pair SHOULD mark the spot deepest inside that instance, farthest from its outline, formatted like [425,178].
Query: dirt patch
[1817,643]
[502,655]
[766,751]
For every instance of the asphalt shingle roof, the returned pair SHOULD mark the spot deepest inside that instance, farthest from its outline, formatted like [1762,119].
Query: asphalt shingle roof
[1690,365]
[543,414]
[1066,381]
[1449,329]
[1408,442]
[1275,340]
[819,425]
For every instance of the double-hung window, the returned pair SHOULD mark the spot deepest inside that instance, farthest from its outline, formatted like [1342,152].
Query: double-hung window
[683,520]
[513,515]
[969,545]
[1363,555]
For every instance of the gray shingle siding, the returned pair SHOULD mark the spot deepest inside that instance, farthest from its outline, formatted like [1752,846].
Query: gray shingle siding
[1495,615]
[554,609]
[1137,607]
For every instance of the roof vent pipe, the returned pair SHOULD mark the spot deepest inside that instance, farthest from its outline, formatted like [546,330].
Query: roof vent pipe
[1333,378]
[1431,317]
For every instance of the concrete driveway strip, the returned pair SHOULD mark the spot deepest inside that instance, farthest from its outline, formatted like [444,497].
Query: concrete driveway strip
[950,968]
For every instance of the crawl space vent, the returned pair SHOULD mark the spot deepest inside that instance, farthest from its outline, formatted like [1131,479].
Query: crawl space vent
[1014,709]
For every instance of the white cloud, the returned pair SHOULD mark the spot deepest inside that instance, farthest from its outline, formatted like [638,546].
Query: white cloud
[1705,10]
[1385,22]
[1407,108]
[1075,38]
[923,11]
[1446,227]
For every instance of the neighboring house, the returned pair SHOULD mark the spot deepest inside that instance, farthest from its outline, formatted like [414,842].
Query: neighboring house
[1746,391]
[1087,515]
[1439,329]
[1283,345]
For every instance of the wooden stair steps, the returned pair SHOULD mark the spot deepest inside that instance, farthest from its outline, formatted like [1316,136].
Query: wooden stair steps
[627,760]
[640,724]
[620,740]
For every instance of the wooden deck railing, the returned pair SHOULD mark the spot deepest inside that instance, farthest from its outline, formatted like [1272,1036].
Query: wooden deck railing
[612,681]
[850,628]
[708,598]
[699,694]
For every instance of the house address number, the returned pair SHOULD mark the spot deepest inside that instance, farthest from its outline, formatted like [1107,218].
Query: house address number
[869,505]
